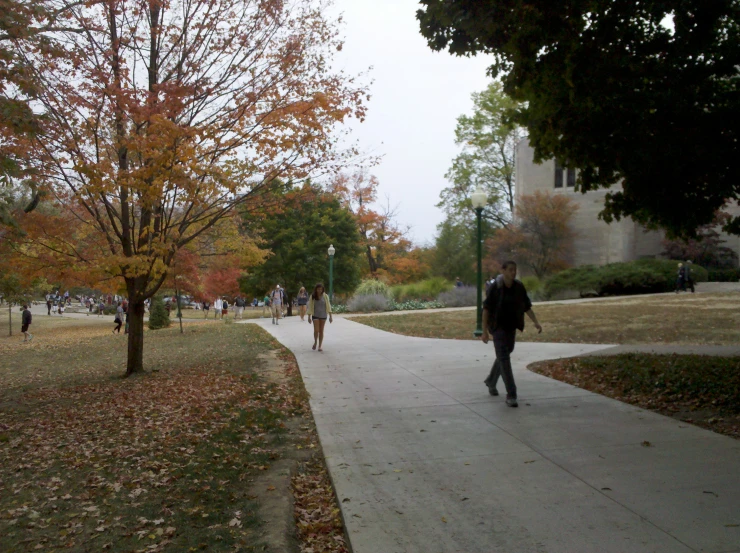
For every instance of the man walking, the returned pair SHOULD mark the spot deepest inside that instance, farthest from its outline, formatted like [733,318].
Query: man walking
[25,323]
[239,306]
[276,301]
[48,304]
[503,313]
[217,305]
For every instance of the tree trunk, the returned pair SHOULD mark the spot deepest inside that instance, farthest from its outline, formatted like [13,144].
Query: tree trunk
[135,361]
[10,319]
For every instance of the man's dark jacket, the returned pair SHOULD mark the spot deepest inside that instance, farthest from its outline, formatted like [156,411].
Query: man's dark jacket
[26,319]
[493,302]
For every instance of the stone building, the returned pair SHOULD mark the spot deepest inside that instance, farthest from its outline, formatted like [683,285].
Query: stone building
[596,242]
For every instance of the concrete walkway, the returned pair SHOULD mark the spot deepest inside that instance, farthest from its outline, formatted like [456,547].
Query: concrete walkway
[424,460]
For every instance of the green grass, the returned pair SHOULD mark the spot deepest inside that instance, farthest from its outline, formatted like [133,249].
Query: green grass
[162,461]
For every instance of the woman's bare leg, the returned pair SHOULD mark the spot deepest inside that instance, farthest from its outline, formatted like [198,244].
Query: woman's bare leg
[316,323]
[322,323]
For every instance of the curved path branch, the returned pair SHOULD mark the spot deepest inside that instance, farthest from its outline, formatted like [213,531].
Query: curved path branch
[424,460]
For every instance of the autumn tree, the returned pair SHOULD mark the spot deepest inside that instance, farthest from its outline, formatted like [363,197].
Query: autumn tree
[488,139]
[164,116]
[706,249]
[31,22]
[541,237]
[645,94]
[383,238]
[297,235]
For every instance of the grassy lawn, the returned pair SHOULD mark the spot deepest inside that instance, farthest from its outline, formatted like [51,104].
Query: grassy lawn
[697,389]
[684,319]
[177,459]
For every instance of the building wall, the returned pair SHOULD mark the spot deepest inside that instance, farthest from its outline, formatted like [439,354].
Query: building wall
[596,242]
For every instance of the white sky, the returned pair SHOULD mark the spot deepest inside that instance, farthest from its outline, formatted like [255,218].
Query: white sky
[416,97]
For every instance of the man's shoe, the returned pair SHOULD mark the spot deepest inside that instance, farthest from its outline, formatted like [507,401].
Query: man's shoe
[30,337]
[491,389]
[512,402]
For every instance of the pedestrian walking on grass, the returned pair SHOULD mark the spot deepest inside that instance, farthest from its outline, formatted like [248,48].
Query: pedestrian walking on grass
[119,318]
[26,320]
[319,308]
[302,302]
[503,313]
[48,304]
[206,307]
[266,304]
[681,278]
[217,305]
[688,274]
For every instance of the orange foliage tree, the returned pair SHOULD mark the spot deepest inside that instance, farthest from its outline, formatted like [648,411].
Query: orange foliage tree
[163,116]
[540,239]
[384,241]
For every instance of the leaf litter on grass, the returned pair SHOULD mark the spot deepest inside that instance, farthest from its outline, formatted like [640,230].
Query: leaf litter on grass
[158,462]
[702,390]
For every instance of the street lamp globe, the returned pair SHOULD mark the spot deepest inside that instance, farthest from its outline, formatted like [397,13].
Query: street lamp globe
[331,249]
[479,198]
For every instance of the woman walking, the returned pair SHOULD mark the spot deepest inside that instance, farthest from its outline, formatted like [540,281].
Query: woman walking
[319,308]
[302,302]
[119,318]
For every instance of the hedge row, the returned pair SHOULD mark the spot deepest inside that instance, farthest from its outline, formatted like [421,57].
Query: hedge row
[724,275]
[645,276]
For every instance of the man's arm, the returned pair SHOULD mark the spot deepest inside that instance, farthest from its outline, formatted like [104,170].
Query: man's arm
[485,335]
[537,324]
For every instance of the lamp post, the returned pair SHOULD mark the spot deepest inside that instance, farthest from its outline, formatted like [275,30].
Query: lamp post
[479,199]
[331,251]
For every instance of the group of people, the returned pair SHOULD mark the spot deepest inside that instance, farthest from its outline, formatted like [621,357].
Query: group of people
[316,306]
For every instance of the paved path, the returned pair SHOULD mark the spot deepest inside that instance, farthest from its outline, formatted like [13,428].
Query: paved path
[424,460]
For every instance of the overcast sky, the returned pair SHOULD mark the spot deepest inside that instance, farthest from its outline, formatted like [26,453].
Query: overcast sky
[417,96]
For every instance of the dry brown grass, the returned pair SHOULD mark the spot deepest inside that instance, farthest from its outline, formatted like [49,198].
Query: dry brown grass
[710,319]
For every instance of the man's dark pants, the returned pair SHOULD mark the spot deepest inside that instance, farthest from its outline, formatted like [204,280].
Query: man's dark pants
[503,342]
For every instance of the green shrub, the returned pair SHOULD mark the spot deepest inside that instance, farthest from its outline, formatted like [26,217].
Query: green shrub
[158,316]
[644,276]
[414,304]
[723,275]
[532,284]
[425,290]
[371,287]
